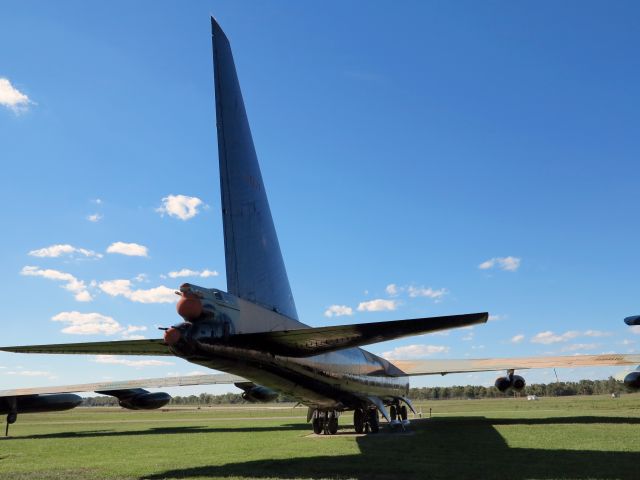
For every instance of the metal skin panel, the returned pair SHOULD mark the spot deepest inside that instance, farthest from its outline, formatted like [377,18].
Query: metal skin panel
[255,269]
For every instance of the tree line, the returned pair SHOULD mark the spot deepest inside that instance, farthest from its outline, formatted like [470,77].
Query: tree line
[556,389]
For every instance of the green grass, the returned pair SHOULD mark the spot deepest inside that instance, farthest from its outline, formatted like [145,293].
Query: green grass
[573,437]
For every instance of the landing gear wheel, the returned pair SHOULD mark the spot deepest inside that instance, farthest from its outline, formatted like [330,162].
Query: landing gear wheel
[333,425]
[393,412]
[358,420]
[374,424]
[317,425]
[403,412]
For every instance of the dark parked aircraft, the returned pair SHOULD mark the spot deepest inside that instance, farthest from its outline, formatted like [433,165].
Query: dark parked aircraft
[252,331]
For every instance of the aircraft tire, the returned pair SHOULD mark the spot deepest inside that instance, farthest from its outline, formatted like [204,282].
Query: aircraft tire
[358,420]
[374,424]
[403,412]
[317,425]
[333,425]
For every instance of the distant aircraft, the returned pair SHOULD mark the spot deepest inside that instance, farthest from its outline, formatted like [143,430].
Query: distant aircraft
[252,331]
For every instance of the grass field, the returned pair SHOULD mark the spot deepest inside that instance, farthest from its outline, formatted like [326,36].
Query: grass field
[571,437]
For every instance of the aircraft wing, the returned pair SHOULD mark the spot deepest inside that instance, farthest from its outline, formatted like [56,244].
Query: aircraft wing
[119,347]
[443,367]
[313,341]
[292,343]
[163,382]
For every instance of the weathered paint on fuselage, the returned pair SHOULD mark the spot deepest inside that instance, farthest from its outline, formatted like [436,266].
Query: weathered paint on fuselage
[339,380]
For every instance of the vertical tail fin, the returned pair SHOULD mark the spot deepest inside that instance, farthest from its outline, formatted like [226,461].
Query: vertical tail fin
[255,269]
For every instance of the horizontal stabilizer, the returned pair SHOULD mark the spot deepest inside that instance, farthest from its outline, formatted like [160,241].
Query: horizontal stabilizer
[313,341]
[163,382]
[442,367]
[121,347]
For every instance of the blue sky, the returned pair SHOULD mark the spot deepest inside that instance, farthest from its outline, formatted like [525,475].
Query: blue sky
[401,143]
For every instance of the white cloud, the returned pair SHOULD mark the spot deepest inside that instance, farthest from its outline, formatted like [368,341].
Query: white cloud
[579,346]
[414,351]
[129,249]
[377,305]
[123,288]
[338,311]
[597,333]
[517,338]
[73,285]
[96,217]
[509,264]
[129,334]
[548,337]
[55,251]
[29,373]
[392,289]
[180,206]
[114,360]
[13,98]
[468,337]
[635,329]
[87,323]
[94,324]
[185,272]
[493,318]
[427,292]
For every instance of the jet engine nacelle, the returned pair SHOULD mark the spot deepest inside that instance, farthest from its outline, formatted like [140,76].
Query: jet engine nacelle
[39,403]
[513,382]
[632,380]
[139,398]
[256,393]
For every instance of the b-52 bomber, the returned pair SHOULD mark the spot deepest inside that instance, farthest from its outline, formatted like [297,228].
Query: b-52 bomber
[252,331]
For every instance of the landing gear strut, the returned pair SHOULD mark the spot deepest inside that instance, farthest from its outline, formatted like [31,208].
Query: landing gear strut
[12,416]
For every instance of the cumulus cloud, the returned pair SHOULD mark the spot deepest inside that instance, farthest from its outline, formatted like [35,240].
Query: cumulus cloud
[180,206]
[96,217]
[77,287]
[509,264]
[114,360]
[185,272]
[414,351]
[597,333]
[29,373]
[55,251]
[427,292]
[94,324]
[579,346]
[338,311]
[124,288]
[392,289]
[378,305]
[548,337]
[12,98]
[129,249]
[517,338]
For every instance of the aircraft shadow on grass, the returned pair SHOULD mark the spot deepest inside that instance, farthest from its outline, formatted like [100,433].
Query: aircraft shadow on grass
[454,447]
[195,429]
